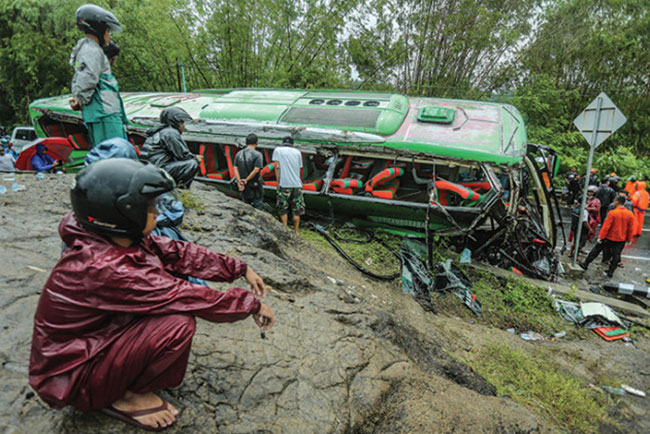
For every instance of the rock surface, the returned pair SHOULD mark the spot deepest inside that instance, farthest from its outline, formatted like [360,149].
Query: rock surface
[347,354]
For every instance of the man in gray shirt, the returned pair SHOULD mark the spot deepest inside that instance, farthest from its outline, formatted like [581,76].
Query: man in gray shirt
[248,164]
[288,162]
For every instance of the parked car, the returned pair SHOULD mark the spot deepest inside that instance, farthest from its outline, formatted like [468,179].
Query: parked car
[21,136]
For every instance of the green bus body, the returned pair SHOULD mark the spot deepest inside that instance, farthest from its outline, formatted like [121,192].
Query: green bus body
[466,143]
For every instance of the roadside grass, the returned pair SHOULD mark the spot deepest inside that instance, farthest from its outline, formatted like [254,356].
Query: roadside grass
[192,201]
[540,384]
[506,302]
[509,303]
[370,254]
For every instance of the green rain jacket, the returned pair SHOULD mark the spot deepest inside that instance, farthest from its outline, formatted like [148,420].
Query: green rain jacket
[93,84]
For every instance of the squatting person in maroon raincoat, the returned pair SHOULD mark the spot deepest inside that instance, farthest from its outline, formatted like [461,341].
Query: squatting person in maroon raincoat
[114,322]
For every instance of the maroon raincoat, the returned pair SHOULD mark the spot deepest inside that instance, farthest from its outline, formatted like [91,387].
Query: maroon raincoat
[113,318]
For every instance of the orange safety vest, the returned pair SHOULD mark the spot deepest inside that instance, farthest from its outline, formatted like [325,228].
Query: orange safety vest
[640,199]
[630,187]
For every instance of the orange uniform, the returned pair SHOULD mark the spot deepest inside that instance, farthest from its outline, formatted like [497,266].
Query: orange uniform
[618,226]
[630,187]
[640,202]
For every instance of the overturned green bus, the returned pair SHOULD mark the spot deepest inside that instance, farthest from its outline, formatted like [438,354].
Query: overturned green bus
[406,163]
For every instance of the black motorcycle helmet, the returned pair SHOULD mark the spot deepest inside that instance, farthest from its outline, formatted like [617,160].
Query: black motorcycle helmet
[95,20]
[111,197]
[173,116]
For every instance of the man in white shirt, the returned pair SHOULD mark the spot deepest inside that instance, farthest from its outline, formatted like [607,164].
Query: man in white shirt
[288,162]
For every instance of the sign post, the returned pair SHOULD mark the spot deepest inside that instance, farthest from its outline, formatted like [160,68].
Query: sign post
[597,122]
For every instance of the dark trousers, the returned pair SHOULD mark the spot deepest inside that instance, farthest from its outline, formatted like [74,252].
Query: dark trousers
[612,249]
[183,172]
[254,197]
[151,355]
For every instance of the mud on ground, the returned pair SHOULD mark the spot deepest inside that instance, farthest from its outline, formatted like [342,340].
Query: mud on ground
[347,354]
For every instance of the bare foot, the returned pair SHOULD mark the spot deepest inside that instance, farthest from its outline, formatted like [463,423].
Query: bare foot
[135,402]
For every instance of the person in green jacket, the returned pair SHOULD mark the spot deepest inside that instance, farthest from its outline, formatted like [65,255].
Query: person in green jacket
[94,88]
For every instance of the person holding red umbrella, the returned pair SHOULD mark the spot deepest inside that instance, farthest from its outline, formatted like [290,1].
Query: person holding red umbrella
[41,162]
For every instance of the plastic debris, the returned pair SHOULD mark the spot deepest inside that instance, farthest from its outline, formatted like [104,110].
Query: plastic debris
[633,391]
[614,390]
[9,177]
[3,189]
[466,256]
[18,187]
[513,331]
[451,278]
[599,312]
[531,336]
[611,333]
[40,175]
[560,334]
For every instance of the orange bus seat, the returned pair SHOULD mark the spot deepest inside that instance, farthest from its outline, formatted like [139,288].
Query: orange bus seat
[387,190]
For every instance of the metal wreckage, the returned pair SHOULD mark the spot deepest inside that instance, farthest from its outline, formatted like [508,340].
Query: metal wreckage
[414,166]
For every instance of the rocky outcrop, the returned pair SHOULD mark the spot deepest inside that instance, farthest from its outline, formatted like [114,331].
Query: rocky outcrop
[347,354]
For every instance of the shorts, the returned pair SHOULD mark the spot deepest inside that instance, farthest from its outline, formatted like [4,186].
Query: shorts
[290,197]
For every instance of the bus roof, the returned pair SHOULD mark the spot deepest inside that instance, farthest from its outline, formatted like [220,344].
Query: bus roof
[470,130]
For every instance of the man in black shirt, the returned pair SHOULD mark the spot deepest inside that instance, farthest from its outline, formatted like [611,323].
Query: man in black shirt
[605,195]
[248,163]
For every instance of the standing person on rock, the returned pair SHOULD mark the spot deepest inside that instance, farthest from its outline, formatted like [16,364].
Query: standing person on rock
[114,323]
[617,229]
[248,164]
[640,203]
[288,162]
[94,88]
[166,148]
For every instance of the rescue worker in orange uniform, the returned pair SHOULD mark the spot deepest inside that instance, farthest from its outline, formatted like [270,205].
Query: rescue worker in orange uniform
[640,203]
[630,185]
[617,229]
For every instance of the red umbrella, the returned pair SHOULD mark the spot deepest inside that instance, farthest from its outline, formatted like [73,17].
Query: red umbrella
[59,148]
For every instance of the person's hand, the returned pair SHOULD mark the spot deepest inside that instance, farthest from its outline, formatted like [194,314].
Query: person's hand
[241,184]
[257,284]
[75,104]
[264,318]
[199,158]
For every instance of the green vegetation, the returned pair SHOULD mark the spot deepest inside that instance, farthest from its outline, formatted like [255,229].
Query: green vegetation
[509,303]
[371,255]
[506,302]
[539,383]
[191,201]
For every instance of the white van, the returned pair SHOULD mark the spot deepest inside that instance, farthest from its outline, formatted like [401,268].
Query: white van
[21,136]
